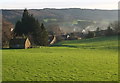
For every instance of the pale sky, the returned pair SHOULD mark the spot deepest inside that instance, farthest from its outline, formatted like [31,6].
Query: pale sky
[40,4]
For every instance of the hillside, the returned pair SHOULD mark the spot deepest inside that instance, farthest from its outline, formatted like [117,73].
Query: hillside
[66,18]
[64,14]
[93,43]
[84,60]
[6,32]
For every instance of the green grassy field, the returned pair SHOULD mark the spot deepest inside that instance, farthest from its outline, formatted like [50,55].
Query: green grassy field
[80,60]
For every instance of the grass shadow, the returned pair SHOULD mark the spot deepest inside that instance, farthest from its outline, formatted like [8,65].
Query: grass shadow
[10,48]
[64,46]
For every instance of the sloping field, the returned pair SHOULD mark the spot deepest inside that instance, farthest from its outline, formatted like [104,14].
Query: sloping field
[80,60]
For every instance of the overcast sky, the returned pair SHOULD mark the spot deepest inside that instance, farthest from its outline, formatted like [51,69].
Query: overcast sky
[39,4]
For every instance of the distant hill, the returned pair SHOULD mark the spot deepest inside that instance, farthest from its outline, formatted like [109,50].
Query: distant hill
[64,17]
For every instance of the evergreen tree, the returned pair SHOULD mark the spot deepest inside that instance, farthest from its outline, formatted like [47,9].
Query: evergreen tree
[98,29]
[90,34]
[116,27]
[30,26]
[18,28]
[97,32]
[37,33]
[44,35]
[109,31]
[40,36]
[28,22]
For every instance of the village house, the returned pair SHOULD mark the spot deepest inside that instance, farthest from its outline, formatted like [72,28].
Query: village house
[19,43]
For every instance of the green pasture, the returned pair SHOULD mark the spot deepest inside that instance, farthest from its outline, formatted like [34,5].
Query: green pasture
[93,59]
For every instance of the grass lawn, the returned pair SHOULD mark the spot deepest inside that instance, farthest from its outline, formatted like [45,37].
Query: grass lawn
[80,60]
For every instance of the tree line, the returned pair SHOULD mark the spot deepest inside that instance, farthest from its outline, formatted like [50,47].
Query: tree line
[112,29]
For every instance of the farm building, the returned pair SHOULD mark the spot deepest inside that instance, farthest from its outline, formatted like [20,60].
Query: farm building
[20,43]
